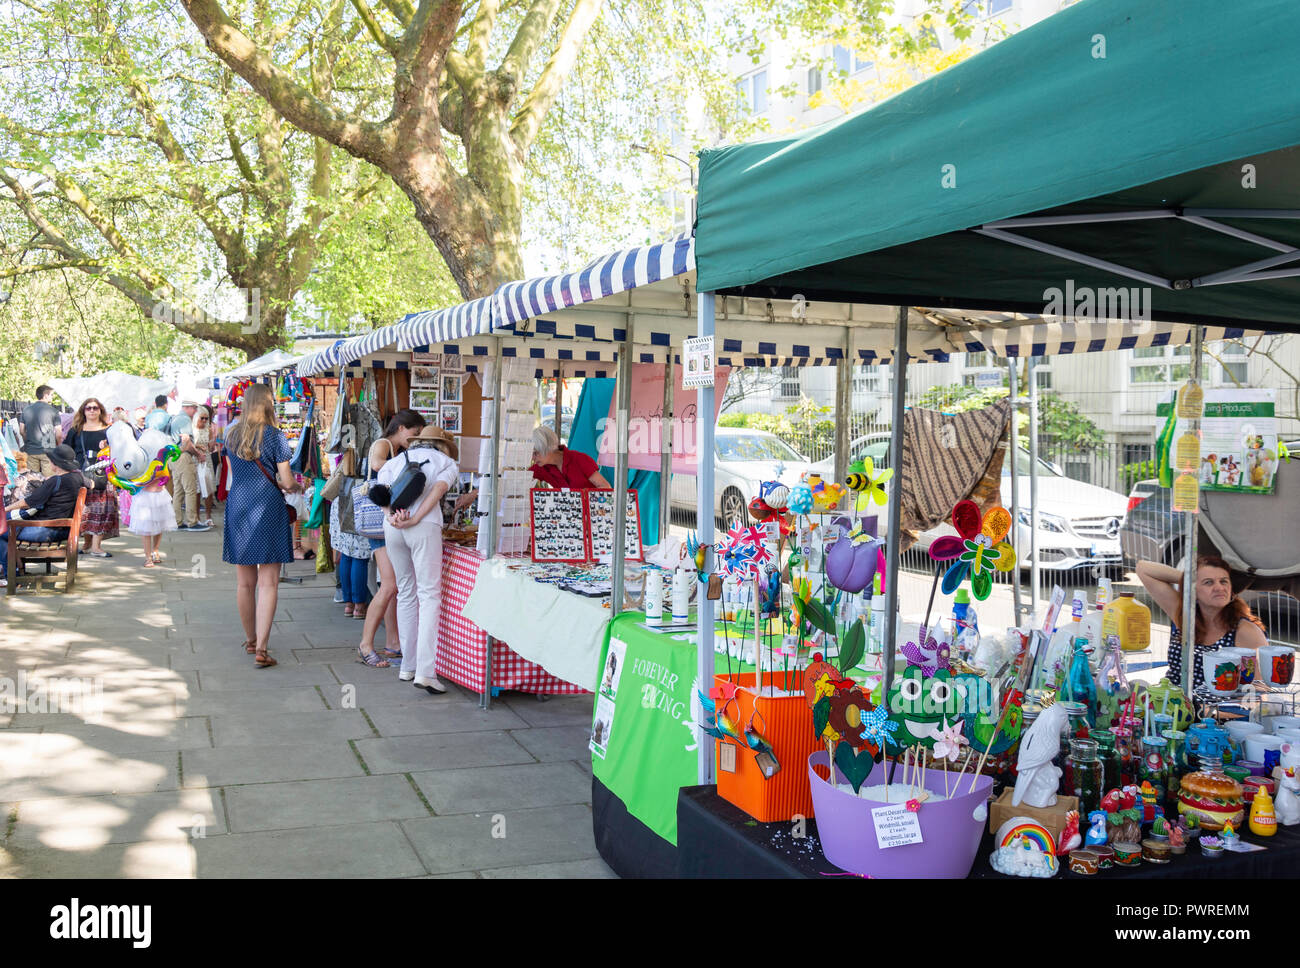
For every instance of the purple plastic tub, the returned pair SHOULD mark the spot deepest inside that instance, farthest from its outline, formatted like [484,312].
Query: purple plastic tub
[951,828]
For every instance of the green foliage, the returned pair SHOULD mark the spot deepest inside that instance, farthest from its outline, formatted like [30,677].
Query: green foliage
[804,425]
[1059,420]
[1130,474]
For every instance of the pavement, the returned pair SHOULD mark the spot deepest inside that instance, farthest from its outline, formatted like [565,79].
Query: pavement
[137,739]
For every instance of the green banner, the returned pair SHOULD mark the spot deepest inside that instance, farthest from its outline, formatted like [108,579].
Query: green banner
[644,738]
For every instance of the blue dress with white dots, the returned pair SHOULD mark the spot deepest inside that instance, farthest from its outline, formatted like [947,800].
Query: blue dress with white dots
[257,529]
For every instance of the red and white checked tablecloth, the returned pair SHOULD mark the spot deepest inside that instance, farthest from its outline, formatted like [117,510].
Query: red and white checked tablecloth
[462,645]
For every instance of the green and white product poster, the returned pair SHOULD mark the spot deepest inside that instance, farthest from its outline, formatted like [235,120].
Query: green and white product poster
[1238,441]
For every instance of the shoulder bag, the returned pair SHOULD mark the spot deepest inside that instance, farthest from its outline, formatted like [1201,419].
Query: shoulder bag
[293,511]
[367,516]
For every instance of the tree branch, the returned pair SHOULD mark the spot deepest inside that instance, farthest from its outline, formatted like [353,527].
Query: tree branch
[377,33]
[528,122]
[47,266]
[529,36]
[480,32]
[296,103]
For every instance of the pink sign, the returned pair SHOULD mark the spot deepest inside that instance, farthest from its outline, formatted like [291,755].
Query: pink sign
[643,431]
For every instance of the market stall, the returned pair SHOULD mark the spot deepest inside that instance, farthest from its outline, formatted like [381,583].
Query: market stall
[941,725]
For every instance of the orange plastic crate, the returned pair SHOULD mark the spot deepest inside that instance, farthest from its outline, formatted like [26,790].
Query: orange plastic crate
[786,723]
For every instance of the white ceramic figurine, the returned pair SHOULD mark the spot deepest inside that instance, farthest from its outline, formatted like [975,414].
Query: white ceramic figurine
[1037,779]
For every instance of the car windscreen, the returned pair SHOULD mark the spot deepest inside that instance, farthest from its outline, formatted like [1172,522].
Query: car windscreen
[738,447]
[1022,461]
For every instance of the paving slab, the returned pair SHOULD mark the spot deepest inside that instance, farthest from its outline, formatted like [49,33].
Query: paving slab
[267,764]
[552,743]
[492,789]
[510,838]
[153,859]
[85,771]
[292,699]
[86,823]
[290,729]
[355,850]
[556,711]
[592,869]
[343,655]
[140,737]
[281,676]
[322,803]
[449,751]
[440,716]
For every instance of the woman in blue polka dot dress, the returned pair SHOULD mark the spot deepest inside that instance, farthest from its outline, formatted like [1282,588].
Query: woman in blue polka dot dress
[257,538]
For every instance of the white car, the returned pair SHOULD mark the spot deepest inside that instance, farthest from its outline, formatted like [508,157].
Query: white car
[1078,523]
[743,459]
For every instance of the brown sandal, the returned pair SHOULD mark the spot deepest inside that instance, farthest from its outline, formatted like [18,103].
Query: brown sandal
[250,646]
[263,659]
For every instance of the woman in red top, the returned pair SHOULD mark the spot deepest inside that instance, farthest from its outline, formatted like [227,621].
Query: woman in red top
[560,467]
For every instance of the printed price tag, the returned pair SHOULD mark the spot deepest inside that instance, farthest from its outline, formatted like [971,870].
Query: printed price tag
[1187,491]
[727,758]
[1191,401]
[1187,453]
[896,826]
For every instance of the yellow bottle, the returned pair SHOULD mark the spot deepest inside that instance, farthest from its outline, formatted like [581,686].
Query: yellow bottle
[1129,621]
[1263,821]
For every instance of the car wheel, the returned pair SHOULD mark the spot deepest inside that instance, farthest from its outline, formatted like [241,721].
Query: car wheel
[734,511]
[1174,553]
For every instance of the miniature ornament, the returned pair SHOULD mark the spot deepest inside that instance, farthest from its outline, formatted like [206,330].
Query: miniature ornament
[863,480]
[774,494]
[1097,828]
[1024,858]
[1287,806]
[1070,838]
[824,496]
[1037,777]
[851,561]
[1263,821]
[801,499]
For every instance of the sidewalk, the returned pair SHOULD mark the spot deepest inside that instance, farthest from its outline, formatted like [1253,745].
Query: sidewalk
[201,765]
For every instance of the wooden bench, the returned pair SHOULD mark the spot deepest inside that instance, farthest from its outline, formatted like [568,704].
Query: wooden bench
[47,550]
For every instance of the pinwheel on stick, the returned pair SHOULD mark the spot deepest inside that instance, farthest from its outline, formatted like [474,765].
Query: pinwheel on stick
[978,548]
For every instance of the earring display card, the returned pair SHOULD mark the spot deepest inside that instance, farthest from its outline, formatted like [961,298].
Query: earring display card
[600,514]
[559,525]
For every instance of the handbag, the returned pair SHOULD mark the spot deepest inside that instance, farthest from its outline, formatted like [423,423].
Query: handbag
[367,516]
[335,483]
[316,516]
[347,522]
[293,511]
[408,486]
[298,462]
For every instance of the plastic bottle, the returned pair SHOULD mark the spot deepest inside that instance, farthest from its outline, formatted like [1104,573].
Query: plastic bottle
[654,597]
[682,595]
[1128,620]
[1090,627]
[965,625]
[1060,648]
[876,619]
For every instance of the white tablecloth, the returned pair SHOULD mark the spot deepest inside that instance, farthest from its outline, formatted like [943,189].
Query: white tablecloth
[562,632]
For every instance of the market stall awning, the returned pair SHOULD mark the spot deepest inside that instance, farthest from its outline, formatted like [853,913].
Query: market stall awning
[1155,147]
[321,361]
[112,388]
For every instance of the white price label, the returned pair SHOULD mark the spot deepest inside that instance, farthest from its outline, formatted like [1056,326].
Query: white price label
[896,826]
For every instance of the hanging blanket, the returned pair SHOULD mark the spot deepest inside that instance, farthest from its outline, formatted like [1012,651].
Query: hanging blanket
[948,457]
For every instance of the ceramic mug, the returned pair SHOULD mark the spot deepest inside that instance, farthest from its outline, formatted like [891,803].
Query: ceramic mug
[1239,729]
[1265,749]
[1245,663]
[1288,734]
[1277,664]
[1284,722]
[1221,670]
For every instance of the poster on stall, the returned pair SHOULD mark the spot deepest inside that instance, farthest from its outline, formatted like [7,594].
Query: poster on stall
[697,354]
[1238,450]
[644,430]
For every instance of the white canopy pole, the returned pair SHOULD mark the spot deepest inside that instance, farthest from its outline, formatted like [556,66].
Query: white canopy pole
[704,530]
[843,412]
[666,451]
[895,496]
[1033,484]
[494,493]
[623,393]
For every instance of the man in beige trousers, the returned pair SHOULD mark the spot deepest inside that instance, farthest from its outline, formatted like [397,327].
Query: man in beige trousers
[184,470]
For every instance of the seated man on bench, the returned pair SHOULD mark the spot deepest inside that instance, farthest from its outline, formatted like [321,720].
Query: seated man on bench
[54,498]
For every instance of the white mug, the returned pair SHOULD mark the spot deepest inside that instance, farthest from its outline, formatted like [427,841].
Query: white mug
[1284,722]
[1277,664]
[1246,663]
[1258,746]
[1225,663]
[1288,734]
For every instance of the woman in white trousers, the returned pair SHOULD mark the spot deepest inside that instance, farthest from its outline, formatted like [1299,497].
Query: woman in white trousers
[414,543]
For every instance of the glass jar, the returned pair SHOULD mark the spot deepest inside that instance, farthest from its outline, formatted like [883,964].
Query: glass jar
[1124,748]
[1178,767]
[1084,774]
[1109,756]
[1153,768]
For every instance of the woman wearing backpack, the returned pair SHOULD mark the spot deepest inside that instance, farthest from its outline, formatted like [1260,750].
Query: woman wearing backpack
[417,482]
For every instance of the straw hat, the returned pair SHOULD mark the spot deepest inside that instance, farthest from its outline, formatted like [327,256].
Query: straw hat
[439,438]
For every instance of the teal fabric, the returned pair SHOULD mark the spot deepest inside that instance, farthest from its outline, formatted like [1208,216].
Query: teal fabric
[593,406]
[1188,91]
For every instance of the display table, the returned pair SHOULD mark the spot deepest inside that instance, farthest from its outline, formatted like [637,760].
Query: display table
[462,638]
[558,631]
[716,839]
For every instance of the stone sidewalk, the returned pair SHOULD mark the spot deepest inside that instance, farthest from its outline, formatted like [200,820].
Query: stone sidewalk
[200,765]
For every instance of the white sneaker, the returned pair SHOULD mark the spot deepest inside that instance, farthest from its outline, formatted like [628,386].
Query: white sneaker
[431,686]
[406,676]
[338,596]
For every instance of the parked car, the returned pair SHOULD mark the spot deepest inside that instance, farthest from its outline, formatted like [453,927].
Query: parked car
[1078,523]
[743,459]
[1152,530]
[566,419]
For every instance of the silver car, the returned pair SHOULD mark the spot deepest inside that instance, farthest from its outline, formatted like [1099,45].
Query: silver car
[742,460]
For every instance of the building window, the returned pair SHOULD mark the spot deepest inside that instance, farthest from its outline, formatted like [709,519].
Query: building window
[752,91]
[866,379]
[1135,453]
[1160,365]
[789,387]
[1235,367]
[986,8]
[843,58]
[861,64]
[814,80]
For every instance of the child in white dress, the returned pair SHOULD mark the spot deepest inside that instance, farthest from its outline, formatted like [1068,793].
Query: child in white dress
[151,515]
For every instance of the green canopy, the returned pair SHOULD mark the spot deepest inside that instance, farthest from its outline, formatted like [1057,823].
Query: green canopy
[1164,131]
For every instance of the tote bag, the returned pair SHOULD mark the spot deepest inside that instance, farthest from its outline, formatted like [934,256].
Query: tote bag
[367,516]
